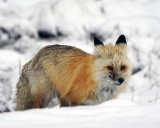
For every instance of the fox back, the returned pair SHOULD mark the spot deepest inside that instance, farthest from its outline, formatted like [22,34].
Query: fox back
[74,76]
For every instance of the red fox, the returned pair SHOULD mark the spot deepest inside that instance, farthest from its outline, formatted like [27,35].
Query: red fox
[74,76]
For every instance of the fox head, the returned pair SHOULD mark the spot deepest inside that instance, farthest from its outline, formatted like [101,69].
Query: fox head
[113,68]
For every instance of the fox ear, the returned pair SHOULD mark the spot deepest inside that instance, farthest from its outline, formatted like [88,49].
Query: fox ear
[121,40]
[97,42]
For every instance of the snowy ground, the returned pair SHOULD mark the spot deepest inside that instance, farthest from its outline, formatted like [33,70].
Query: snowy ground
[111,114]
[27,26]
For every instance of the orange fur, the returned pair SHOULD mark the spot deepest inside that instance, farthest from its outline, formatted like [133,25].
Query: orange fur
[76,72]
[37,100]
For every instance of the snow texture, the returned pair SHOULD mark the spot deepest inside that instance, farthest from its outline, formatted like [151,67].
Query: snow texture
[111,114]
[27,26]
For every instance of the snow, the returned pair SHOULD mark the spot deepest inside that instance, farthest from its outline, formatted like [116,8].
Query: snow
[69,22]
[112,114]
[10,62]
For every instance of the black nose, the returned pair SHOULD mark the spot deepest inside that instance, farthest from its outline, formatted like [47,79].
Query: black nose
[120,80]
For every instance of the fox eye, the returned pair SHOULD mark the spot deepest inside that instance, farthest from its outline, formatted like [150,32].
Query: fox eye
[110,68]
[123,67]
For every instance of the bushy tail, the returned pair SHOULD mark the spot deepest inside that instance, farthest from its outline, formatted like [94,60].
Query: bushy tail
[23,96]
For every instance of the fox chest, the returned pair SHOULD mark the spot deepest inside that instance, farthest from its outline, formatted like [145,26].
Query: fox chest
[102,93]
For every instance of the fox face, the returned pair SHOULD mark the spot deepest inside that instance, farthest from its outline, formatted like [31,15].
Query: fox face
[112,68]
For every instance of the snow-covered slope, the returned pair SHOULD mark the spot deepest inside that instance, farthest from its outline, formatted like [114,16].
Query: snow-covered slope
[112,114]
[27,26]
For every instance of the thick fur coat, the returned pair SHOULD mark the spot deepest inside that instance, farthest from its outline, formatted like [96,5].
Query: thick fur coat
[74,76]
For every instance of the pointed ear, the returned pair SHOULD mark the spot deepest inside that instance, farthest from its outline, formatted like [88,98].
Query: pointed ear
[121,40]
[97,42]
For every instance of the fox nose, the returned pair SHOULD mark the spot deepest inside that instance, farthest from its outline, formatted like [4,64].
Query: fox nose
[120,80]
